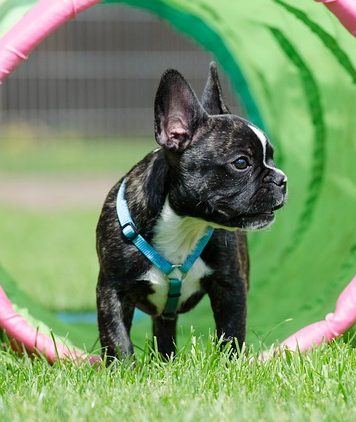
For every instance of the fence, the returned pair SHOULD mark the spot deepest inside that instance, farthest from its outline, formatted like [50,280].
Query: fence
[97,76]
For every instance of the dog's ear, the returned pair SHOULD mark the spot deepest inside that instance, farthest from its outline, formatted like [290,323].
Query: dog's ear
[178,112]
[212,100]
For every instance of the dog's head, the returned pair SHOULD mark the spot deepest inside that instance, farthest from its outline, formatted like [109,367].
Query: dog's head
[221,166]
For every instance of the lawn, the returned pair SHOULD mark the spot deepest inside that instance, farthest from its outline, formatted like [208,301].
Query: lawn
[51,255]
[201,384]
[56,247]
[71,156]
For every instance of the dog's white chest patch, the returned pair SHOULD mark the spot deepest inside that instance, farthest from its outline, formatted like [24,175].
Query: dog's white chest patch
[175,238]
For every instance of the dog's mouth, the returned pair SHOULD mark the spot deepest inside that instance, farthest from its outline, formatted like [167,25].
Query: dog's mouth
[257,215]
[228,219]
[261,216]
[260,220]
[264,213]
[247,222]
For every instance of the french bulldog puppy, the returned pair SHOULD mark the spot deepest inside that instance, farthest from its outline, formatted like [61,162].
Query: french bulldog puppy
[212,169]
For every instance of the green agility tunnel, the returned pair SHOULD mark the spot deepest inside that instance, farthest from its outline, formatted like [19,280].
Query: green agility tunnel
[293,68]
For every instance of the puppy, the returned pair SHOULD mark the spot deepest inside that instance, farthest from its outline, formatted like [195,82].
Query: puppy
[173,229]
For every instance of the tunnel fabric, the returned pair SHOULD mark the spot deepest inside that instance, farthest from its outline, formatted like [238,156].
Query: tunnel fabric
[293,68]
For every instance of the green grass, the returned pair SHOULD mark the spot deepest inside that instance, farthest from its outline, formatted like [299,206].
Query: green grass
[52,257]
[51,254]
[53,248]
[201,384]
[74,156]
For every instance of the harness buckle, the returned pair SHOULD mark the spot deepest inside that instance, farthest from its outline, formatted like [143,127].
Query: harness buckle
[176,267]
[129,231]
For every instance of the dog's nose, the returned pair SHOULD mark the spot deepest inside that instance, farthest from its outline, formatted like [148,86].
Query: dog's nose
[281,180]
[278,178]
[284,185]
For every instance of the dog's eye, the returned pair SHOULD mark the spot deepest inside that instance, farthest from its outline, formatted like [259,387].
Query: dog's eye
[241,163]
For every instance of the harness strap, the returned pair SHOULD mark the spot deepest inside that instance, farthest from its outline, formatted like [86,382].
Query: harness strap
[129,230]
[174,292]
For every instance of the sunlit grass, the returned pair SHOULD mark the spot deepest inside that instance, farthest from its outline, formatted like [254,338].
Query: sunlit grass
[75,156]
[51,253]
[52,257]
[200,384]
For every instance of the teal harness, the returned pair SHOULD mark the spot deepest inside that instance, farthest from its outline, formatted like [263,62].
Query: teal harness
[129,230]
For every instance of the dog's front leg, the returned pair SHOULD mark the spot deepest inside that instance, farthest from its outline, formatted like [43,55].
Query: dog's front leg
[228,301]
[115,315]
[165,332]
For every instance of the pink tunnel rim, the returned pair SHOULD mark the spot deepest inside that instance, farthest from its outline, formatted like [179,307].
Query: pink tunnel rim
[47,15]
[22,333]
[39,22]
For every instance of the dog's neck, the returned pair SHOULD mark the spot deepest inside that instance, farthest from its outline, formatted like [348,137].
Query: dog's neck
[175,237]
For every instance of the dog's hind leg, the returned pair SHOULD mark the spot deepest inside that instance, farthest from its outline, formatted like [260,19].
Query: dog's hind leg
[165,332]
[115,315]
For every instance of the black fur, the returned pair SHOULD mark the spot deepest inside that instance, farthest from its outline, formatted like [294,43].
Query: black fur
[195,169]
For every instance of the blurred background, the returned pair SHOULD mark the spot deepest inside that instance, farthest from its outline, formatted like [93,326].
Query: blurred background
[74,119]
[97,75]
[79,114]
